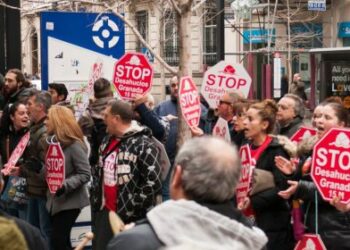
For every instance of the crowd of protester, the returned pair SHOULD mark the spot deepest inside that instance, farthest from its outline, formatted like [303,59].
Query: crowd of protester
[114,162]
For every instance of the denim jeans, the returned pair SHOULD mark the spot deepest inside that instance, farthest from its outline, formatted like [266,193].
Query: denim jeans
[39,217]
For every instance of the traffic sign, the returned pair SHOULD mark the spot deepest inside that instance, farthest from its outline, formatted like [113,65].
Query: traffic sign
[55,167]
[224,77]
[244,183]
[310,242]
[72,41]
[316,5]
[148,54]
[189,101]
[221,129]
[331,165]
[303,133]
[132,75]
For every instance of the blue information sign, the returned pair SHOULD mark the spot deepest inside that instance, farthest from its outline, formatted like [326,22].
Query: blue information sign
[71,42]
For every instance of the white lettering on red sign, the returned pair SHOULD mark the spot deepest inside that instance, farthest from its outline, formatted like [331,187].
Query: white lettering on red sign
[55,167]
[244,183]
[133,72]
[331,165]
[132,76]
[189,101]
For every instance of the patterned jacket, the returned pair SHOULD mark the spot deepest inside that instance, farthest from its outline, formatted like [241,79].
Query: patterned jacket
[138,175]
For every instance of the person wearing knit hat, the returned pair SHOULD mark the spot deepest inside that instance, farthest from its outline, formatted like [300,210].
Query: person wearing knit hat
[11,237]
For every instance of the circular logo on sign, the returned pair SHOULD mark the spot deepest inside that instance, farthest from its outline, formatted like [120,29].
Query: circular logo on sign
[105,33]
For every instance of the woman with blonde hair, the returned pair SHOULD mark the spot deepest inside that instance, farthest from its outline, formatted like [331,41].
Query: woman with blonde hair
[64,206]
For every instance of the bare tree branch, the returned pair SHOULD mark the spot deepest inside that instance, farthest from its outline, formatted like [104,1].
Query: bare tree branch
[139,36]
[2,3]
[194,8]
[176,7]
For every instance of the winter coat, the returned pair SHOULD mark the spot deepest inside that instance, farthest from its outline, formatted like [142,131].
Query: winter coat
[290,129]
[8,143]
[77,175]
[169,108]
[268,206]
[333,225]
[93,126]
[138,175]
[298,88]
[93,111]
[34,158]
[159,125]
[191,226]
[13,138]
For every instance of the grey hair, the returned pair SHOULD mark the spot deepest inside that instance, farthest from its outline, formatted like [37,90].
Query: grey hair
[41,97]
[299,108]
[211,168]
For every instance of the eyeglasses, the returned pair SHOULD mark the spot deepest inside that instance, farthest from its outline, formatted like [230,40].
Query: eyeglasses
[173,85]
[224,102]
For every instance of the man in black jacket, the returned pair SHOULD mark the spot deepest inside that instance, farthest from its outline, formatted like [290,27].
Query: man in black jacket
[201,214]
[290,115]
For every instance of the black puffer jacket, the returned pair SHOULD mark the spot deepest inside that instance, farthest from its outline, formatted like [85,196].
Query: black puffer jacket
[333,225]
[273,212]
[139,181]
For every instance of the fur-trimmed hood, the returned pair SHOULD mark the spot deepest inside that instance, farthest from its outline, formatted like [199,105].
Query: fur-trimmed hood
[289,146]
[306,145]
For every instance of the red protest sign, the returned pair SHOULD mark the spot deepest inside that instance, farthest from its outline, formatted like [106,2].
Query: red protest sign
[302,134]
[17,152]
[221,129]
[132,75]
[55,167]
[245,179]
[331,165]
[96,72]
[189,101]
[310,242]
[224,77]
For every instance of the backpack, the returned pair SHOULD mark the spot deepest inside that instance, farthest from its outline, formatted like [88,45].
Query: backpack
[97,134]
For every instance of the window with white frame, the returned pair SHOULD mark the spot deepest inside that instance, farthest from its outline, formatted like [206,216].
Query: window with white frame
[209,34]
[141,18]
[171,49]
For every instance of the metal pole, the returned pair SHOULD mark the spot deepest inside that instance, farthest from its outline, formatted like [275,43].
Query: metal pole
[220,30]
[13,36]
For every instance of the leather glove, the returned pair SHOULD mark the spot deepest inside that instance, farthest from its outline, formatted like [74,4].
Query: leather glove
[60,191]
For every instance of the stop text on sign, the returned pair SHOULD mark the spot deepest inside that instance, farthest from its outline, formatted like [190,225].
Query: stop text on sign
[54,164]
[134,72]
[341,158]
[227,81]
[331,165]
